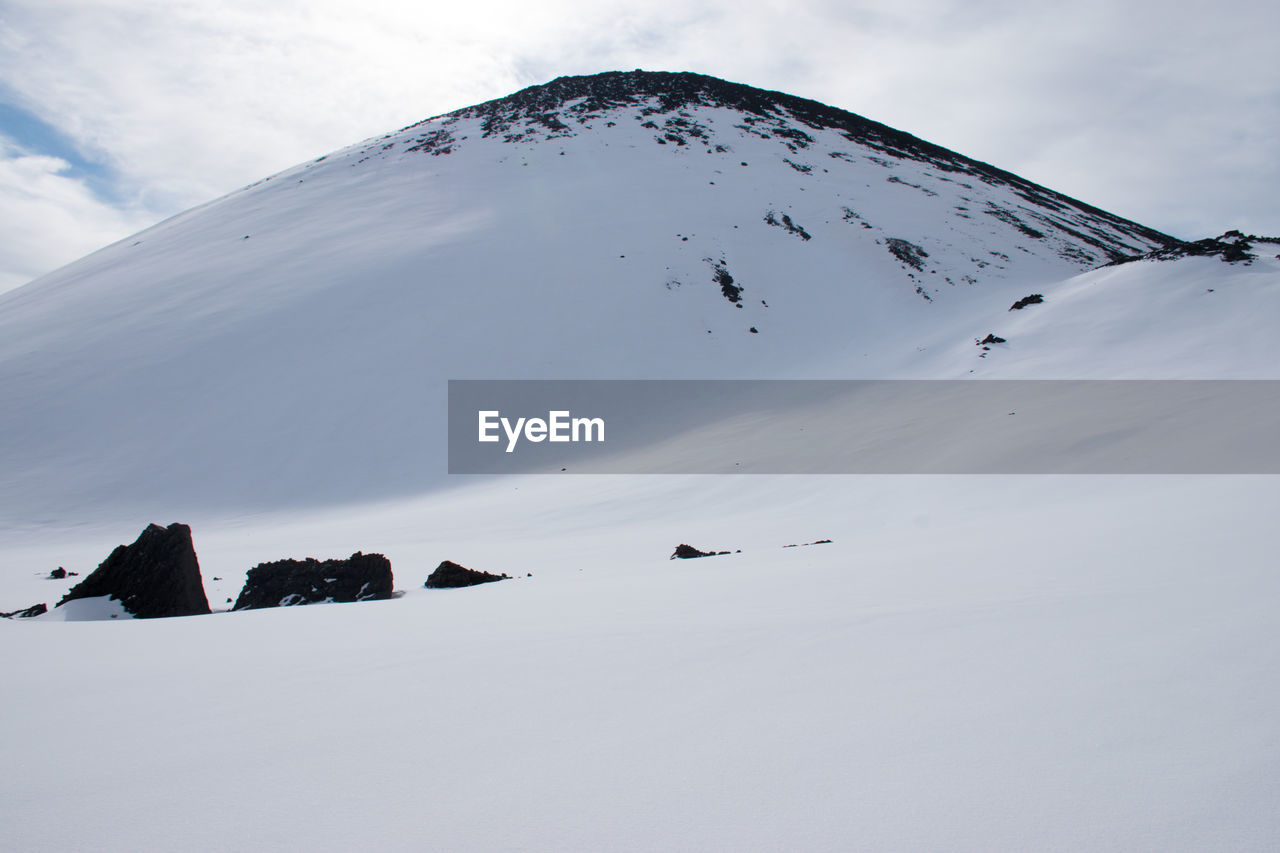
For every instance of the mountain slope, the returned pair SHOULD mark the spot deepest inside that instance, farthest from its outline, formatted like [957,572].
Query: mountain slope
[288,344]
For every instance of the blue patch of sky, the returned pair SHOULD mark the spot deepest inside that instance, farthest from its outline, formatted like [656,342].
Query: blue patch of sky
[35,136]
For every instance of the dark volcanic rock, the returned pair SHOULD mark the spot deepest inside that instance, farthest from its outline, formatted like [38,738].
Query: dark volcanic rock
[33,610]
[449,575]
[815,542]
[730,291]
[907,252]
[992,338]
[688,552]
[158,575]
[284,583]
[1233,247]
[1033,299]
[787,224]
[58,574]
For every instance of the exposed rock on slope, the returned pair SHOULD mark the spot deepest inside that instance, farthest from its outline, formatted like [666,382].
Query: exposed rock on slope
[158,575]
[688,552]
[283,583]
[33,610]
[1233,247]
[666,101]
[450,575]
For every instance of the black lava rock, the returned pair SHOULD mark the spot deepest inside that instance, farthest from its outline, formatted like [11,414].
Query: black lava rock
[33,610]
[1033,299]
[284,583]
[156,576]
[991,338]
[907,252]
[58,574]
[449,575]
[730,291]
[688,552]
[1233,247]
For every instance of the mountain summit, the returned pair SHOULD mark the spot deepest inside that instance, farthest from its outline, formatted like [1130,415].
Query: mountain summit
[289,343]
[678,109]
[661,101]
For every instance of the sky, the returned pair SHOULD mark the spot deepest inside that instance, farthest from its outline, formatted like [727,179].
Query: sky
[115,114]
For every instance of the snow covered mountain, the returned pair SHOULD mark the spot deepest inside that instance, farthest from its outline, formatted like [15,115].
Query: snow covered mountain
[288,344]
[973,663]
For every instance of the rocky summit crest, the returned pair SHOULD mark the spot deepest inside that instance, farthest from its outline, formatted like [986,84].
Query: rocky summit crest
[666,104]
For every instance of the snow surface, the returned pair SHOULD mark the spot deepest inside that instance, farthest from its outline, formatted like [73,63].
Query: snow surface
[972,664]
[87,610]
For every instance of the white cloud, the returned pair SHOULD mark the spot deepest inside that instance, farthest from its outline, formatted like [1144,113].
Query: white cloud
[50,218]
[1162,112]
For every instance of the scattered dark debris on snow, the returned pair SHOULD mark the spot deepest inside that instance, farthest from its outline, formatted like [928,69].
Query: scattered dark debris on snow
[815,542]
[772,218]
[436,142]
[1076,255]
[1233,247]
[27,613]
[894,179]
[907,252]
[851,215]
[991,338]
[731,291]
[1010,218]
[661,101]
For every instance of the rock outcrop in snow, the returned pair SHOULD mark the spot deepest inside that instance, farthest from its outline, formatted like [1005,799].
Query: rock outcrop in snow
[450,575]
[1233,247]
[27,613]
[284,583]
[158,575]
[688,552]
